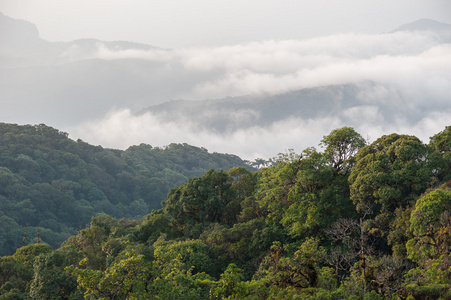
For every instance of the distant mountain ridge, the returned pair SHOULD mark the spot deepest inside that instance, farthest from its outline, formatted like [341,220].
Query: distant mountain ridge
[22,46]
[17,31]
[425,25]
[443,30]
[345,102]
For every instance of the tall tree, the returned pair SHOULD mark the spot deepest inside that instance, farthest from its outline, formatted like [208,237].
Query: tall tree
[431,226]
[441,143]
[342,144]
[390,173]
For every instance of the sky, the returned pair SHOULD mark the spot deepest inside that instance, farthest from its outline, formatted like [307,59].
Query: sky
[227,49]
[181,23]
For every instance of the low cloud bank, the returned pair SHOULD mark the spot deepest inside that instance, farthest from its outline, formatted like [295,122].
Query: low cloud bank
[407,60]
[411,72]
[380,83]
[120,129]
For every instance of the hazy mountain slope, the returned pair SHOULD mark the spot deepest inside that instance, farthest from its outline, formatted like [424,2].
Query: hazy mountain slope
[425,25]
[442,30]
[83,90]
[21,46]
[341,101]
[259,110]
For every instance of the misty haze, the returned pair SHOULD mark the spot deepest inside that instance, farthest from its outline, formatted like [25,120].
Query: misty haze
[248,99]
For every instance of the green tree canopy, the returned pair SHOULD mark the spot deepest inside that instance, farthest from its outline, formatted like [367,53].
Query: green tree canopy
[431,226]
[389,173]
[342,144]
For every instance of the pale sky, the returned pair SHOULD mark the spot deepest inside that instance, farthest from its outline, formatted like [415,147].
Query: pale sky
[181,23]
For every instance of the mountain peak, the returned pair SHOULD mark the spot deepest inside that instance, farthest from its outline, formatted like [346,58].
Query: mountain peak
[425,25]
[17,31]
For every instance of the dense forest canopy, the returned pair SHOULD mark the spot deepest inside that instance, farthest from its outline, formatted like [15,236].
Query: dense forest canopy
[54,185]
[355,221]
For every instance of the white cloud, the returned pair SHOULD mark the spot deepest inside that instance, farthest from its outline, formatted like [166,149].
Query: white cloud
[417,64]
[411,72]
[365,114]
[120,129]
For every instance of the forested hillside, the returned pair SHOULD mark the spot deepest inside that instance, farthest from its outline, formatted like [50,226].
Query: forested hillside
[354,221]
[51,186]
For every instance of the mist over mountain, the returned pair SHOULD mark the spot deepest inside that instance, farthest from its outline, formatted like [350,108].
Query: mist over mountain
[348,102]
[22,46]
[249,99]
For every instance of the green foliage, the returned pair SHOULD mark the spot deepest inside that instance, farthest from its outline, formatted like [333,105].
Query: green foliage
[125,278]
[441,143]
[431,227]
[388,175]
[288,231]
[230,285]
[27,254]
[304,193]
[133,277]
[300,270]
[155,224]
[206,199]
[389,172]
[400,231]
[10,234]
[52,182]
[50,280]
[431,282]
[14,274]
[341,145]
[193,253]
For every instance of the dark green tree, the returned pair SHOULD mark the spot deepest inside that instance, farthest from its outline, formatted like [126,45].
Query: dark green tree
[209,198]
[388,174]
[441,143]
[341,145]
[431,227]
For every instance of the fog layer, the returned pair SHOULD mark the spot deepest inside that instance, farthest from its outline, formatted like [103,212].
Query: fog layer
[265,97]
